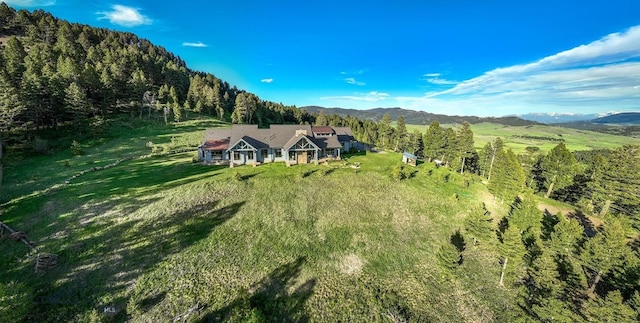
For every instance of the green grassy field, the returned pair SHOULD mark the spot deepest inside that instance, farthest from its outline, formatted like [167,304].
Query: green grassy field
[543,136]
[163,238]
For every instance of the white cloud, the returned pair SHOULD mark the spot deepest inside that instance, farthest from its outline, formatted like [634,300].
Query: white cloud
[368,97]
[30,3]
[440,81]
[598,76]
[351,80]
[198,44]
[269,80]
[125,16]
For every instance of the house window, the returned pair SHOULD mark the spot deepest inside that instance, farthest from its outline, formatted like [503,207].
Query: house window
[292,155]
[265,154]
[278,153]
[236,155]
[250,155]
[216,154]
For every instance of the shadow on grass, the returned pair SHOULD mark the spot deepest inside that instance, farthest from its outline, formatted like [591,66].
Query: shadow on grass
[96,272]
[269,300]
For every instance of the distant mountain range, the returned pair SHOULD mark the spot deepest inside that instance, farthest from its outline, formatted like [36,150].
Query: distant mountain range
[424,118]
[551,118]
[626,118]
[416,117]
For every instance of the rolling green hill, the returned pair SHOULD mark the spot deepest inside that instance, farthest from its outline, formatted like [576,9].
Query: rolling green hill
[543,136]
[161,237]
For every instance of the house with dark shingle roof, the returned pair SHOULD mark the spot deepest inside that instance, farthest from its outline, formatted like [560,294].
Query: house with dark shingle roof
[292,144]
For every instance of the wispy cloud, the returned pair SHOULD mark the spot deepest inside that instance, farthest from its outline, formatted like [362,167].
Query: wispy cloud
[355,72]
[601,75]
[30,3]
[351,80]
[125,16]
[368,97]
[269,80]
[198,44]
[440,81]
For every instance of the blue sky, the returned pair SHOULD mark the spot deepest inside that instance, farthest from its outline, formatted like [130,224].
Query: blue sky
[464,57]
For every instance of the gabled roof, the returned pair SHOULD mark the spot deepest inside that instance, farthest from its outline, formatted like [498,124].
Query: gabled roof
[255,137]
[295,139]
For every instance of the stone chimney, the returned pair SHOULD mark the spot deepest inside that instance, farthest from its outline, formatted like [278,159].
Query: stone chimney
[301,132]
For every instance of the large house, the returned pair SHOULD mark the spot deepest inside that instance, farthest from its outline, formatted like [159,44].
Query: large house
[292,144]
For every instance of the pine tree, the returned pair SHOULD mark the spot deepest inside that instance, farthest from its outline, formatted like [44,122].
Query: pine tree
[76,100]
[449,258]
[14,55]
[384,130]
[402,136]
[508,178]
[478,223]
[559,167]
[416,146]
[616,183]
[610,309]
[464,145]
[512,250]
[433,140]
[605,251]
[525,215]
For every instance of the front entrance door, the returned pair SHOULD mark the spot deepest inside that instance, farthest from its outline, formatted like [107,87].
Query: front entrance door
[302,157]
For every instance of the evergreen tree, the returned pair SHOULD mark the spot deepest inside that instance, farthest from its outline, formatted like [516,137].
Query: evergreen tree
[616,183]
[610,309]
[385,131]
[321,119]
[402,136]
[512,250]
[558,167]
[416,146]
[464,145]
[508,178]
[605,251]
[478,223]
[433,140]
[76,100]
[449,258]
[14,55]
[525,215]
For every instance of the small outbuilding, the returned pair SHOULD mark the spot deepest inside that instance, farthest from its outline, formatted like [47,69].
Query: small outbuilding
[409,158]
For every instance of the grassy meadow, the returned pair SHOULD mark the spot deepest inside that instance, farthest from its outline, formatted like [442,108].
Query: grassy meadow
[543,136]
[163,238]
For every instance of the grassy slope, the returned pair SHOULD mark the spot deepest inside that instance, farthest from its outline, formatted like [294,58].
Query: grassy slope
[162,237]
[574,139]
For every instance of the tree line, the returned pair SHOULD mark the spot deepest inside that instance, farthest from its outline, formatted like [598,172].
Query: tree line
[54,73]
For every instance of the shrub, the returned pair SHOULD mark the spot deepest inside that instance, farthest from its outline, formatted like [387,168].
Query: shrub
[398,172]
[76,148]
[237,176]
